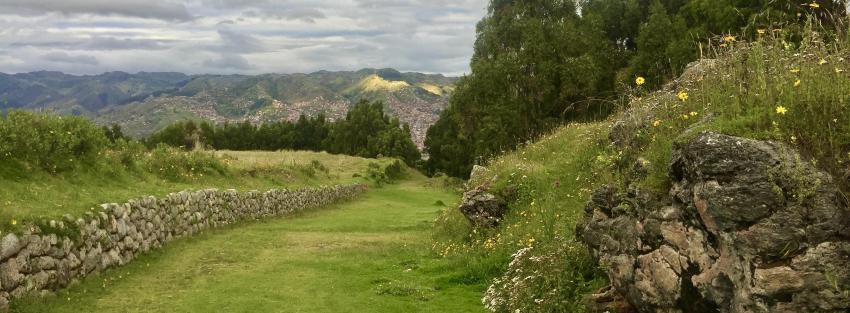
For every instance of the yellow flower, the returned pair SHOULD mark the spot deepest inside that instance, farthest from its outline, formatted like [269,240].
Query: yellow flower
[683,96]
[685,117]
[761,31]
[822,62]
[797,83]
[781,110]
[694,113]
[640,81]
[14,222]
[814,5]
[656,123]
[729,39]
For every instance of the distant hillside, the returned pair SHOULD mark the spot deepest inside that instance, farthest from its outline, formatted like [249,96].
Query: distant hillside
[143,103]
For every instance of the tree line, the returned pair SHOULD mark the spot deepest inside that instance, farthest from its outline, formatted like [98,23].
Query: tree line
[540,63]
[366,131]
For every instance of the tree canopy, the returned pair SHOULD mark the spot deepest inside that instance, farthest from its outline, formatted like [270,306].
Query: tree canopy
[366,131]
[540,63]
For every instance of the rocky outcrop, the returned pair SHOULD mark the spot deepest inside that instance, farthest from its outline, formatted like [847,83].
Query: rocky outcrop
[50,255]
[482,208]
[748,226]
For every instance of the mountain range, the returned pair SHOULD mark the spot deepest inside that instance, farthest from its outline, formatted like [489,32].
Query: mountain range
[144,102]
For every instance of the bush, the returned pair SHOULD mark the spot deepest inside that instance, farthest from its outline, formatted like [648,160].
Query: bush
[545,279]
[385,174]
[175,164]
[50,143]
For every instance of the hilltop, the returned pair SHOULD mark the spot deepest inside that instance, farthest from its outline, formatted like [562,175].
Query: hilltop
[143,103]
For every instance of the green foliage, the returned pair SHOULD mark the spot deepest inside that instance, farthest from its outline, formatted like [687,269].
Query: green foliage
[49,143]
[368,132]
[535,64]
[175,164]
[382,174]
[538,64]
[545,278]
[183,134]
[769,89]
[550,181]
[114,133]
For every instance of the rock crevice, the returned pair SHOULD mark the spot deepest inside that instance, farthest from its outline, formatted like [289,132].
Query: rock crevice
[747,226]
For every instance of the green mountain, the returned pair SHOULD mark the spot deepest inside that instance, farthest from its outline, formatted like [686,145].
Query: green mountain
[143,103]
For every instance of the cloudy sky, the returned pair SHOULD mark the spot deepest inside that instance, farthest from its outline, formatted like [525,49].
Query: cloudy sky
[237,36]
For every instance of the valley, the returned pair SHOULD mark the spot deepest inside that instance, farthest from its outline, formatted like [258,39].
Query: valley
[144,103]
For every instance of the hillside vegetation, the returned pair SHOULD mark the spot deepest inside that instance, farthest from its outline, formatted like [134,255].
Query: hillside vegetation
[50,166]
[770,88]
[540,64]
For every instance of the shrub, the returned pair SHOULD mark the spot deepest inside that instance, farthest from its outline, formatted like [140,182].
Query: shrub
[50,143]
[385,174]
[175,164]
[544,279]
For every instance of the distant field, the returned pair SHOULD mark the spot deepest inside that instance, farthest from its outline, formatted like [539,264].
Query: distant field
[39,194]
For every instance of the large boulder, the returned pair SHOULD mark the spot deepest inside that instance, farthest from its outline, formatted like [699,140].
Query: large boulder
[748,226]
[482,208]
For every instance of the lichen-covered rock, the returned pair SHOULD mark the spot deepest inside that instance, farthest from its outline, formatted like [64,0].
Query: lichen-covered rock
[483,209]
[9,246]
[748,226]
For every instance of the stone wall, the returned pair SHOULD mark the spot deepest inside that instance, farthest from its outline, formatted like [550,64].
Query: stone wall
[49,255]
[747,226]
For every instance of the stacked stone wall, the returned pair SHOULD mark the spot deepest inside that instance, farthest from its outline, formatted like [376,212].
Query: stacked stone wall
[48,255]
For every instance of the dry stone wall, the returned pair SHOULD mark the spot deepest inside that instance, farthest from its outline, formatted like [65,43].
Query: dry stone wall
[50,255]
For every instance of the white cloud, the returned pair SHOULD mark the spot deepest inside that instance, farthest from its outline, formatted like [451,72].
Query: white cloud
[237,36]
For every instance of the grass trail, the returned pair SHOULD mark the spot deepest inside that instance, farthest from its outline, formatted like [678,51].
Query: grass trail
[370,255]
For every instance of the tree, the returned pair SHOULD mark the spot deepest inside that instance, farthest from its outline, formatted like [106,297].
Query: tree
[368,132]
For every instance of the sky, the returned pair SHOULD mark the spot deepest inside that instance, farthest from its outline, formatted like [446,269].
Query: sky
[237,36]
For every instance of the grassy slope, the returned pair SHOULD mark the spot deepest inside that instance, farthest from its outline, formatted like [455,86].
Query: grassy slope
[553,178]
[42,194]
[767,90]
[370,255]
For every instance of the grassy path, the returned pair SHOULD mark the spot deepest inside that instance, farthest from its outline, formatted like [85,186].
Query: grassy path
[370,255]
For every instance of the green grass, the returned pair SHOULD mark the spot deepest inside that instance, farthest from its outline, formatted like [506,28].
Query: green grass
[552,179]
[32,194]
[370,255]
[798,94]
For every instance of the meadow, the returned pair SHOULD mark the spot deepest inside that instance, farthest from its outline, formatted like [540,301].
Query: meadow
[369,255]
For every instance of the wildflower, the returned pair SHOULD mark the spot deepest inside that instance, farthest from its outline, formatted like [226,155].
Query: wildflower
[781,110]
[14,222]
[640,81]
[822,62]
[694,113]
[761,31]
[797,83]
[814,5]
[729,39]
[683,96]
[656,123]
[685,117]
